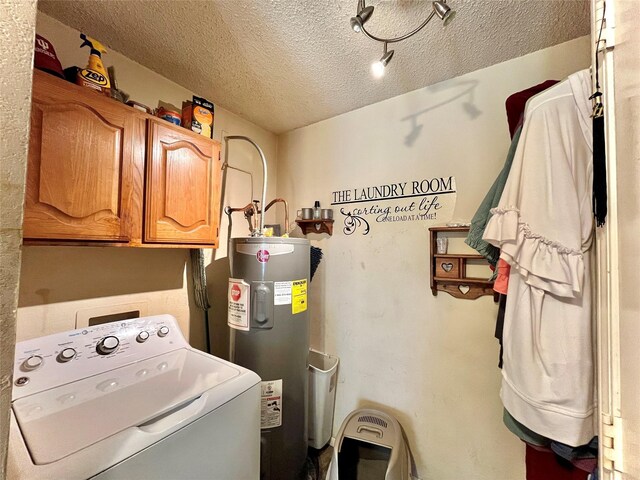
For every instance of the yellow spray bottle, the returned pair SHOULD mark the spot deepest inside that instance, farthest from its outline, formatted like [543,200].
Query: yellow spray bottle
[94,75]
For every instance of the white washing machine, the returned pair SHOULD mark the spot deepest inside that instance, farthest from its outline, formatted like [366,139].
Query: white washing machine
[131,400]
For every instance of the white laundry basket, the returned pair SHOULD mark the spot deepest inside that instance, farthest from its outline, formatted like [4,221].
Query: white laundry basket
[323,376]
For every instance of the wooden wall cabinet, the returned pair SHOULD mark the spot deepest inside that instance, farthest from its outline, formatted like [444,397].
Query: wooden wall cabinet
[100,172]
[85,166]
[183,186]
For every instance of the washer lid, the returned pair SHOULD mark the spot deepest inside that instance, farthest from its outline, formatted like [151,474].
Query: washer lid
[63,420]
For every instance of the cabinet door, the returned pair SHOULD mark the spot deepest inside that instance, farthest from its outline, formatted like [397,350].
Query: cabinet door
[84,172]
[183,186]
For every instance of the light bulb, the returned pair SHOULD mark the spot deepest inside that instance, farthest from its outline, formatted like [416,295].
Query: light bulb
[449,18]
[356,24]
[377,69]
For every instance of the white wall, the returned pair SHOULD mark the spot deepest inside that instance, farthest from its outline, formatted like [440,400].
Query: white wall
[429,360]
[59,281]
[17,27]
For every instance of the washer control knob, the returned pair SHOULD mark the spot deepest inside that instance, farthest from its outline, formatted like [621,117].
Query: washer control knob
[67,354]
[107,345]
[142,337]
[163,332]
[31,363]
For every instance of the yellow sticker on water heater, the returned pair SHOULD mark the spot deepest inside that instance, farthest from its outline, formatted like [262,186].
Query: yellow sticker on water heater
[299,296]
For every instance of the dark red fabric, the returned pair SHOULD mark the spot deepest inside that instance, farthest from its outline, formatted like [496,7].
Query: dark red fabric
[545,466]
[515,103]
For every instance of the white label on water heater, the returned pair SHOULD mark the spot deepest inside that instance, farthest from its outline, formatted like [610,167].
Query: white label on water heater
[238,311]
[282,293]
[271,404]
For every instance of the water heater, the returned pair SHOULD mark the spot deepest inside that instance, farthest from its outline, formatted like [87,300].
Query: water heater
[269,324]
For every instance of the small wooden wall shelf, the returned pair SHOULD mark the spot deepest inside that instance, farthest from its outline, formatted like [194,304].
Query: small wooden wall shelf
[449,270]
[315,226]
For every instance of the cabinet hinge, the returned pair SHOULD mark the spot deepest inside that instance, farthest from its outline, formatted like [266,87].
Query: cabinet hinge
[612,443]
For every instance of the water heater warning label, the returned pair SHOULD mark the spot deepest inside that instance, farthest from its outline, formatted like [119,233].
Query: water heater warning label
[282,293]
[238,310]
[271,404]
[299,296]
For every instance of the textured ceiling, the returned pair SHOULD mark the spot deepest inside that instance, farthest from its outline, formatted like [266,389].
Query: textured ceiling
[283,64]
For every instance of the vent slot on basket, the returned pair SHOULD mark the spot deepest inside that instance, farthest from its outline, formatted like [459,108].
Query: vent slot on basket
[374,420]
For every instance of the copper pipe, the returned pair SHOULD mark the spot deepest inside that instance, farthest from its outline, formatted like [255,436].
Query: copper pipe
[286,211]
[249,211]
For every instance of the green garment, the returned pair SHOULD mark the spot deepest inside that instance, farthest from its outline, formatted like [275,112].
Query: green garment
[525,434]
[482,216]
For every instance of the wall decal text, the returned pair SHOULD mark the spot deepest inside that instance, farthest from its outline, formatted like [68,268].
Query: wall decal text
[429,199]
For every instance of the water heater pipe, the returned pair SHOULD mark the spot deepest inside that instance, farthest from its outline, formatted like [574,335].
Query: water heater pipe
[286,211]
[264,172]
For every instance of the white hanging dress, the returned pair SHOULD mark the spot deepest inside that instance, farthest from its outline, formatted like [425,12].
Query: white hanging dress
[544,227]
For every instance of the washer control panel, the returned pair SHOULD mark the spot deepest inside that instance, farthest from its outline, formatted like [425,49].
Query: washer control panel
[47,362]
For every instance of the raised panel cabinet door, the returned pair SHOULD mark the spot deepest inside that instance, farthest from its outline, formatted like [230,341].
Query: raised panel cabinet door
[183,187]
[84,172]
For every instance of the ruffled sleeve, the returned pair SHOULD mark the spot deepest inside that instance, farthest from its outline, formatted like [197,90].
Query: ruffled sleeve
[542,262]
[543,221]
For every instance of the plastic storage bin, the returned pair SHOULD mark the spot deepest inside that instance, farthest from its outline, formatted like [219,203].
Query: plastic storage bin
[323,376]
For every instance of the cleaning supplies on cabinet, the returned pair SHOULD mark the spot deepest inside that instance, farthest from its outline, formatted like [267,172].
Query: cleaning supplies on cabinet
[197,116]
[94,75]
[116,93]
[169,112]
[169,115]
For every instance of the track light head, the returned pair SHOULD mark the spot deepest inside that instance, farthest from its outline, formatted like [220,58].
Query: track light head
[443,11]
[356,24]
[378,68]
[361,18]
[365,13]
[386,58]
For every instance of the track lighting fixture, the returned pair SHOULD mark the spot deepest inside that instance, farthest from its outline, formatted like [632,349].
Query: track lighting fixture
[378,68]
[438,7]
[361,18]
[444,12]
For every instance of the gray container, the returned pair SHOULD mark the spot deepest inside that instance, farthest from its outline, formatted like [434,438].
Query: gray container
[323,377]
[276,346]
